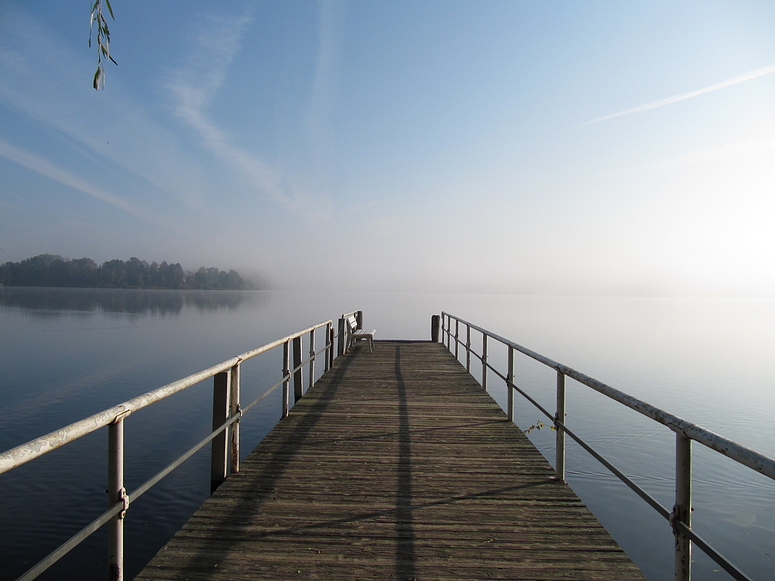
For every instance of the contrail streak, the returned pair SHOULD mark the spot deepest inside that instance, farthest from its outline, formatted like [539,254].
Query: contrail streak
[770,68]
[45,168]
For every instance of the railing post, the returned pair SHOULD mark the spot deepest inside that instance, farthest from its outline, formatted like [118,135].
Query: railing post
[559,470]
[359,319]
[234,409]
[116,494]
[342,338]
[682,511]
[311,359]
[484,361]
[509,383]
[468,348]
[435,324]
[298,381]
[457,334]
[286,378]
[219,457]
[330,343]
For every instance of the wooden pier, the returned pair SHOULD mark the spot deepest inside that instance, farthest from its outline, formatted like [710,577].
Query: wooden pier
[395,465]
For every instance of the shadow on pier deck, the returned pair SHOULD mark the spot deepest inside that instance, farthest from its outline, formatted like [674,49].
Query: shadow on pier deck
[395,465]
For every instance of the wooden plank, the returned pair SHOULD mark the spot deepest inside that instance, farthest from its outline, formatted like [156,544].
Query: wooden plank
[395,465]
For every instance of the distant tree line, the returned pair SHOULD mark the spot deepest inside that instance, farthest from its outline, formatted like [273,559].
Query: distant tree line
[54,271]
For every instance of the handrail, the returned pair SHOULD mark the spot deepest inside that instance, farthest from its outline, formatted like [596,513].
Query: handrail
[34,448]
[680,517]
[227,413]
[729,448]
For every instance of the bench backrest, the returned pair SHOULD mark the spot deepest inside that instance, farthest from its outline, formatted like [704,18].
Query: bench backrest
[352,323]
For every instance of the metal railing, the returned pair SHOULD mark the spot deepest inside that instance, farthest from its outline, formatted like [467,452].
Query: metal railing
[225,435]
[686,432]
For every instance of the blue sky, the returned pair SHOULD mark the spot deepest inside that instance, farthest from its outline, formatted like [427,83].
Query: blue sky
[488,146]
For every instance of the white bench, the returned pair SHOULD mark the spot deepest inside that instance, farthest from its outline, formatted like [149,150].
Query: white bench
[354,333]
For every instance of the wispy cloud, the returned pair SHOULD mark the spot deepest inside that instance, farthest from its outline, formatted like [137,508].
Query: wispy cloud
[760,72]
[193,87]
[52,171]
[215,44]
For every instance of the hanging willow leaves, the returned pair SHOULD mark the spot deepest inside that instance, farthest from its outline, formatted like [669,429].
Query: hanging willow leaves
[100,23]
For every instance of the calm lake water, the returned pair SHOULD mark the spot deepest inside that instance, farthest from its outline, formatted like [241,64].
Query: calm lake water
[68,353]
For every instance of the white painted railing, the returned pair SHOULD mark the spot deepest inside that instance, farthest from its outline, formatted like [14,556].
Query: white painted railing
[680,516]
[227,412]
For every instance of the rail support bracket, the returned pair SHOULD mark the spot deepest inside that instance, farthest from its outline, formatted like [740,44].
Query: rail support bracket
[124,498]
[121,416]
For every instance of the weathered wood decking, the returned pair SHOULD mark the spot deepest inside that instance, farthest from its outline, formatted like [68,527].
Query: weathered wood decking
[396,465]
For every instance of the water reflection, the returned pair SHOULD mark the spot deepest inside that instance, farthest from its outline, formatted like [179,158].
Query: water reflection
[53,302]
[706,360]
